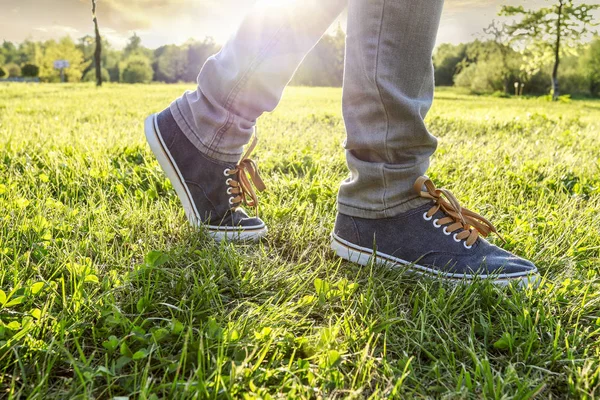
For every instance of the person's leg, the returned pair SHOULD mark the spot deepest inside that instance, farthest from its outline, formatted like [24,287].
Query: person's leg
[388,90]
[387,206]
[198,140]
[248,76]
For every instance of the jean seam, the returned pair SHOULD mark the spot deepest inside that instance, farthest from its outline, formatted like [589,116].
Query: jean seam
[387,117]
[384,189]
[233,94]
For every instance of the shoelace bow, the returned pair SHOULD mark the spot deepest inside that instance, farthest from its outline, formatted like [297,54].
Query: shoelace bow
[247,175]
[459,217]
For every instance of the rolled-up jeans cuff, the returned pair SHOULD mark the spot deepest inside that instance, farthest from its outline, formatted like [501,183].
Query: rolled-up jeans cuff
[371,213]
[189,133]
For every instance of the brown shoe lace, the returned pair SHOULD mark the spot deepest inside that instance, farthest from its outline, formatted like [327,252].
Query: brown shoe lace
[472,223]
[247,175]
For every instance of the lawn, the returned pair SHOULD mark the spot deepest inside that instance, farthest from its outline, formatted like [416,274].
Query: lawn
[107,292]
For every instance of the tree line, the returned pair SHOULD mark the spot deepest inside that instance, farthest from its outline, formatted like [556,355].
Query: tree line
[132,64]
[136,63]
[520,57]
[485,66]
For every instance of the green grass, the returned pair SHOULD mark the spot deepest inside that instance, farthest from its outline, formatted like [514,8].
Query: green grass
[107,292]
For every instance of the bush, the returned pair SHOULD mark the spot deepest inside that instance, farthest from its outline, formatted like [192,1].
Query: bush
[574,82]
[137,69]
[537,84]
[90,76]
[2,72]
[170,63]
[482,77]
[30,70]
[114,73]
[500,95]
[448,62]
[14,71]
[324,65]
[590,66]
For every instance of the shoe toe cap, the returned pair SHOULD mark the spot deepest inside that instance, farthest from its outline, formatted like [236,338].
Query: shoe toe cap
[500,262]
[489,261]
[240,218]
[511,265]
[251,222]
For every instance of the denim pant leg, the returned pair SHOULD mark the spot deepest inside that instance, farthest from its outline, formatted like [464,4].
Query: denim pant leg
[248,76]
[388,90]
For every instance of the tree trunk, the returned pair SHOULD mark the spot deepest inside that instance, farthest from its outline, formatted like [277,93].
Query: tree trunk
[555,86]
[98,51]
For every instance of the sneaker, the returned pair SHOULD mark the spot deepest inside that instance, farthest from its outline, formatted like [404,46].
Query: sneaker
[210,190]
[439,239]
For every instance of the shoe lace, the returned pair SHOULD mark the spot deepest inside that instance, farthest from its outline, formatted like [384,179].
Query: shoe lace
[247,175]
[473,224]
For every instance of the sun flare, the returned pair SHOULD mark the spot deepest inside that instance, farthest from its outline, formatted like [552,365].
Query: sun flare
[277,4]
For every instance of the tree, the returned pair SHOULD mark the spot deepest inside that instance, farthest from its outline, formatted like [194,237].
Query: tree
[137,69]
[30,52]
[110,57]
[324,65]
[2,72]
[197,54]
[14,71]
[134,47]
[87,46]
[98,51]
[65,49]
[590,64]
[500,39]
[170,65]
[551,29]
[90,76]
[448,61]
[10,52]
[30,70]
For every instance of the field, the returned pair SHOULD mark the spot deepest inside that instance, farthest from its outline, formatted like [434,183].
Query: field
[107,292]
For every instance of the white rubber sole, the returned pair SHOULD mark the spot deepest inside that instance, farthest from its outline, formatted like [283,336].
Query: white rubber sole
[363,256]
[169,166]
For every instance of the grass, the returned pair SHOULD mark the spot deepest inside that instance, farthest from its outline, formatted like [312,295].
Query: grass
[107,292]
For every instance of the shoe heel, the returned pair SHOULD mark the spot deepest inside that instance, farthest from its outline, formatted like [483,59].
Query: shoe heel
[168,166]
[348,253]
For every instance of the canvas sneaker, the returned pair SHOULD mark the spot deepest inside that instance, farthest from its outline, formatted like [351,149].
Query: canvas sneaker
[211,191]
[440,239]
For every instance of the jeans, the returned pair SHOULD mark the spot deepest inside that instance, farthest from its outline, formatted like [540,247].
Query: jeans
[388,90]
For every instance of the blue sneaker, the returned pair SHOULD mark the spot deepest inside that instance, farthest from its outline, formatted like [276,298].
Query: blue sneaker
[440,239]
[211,191]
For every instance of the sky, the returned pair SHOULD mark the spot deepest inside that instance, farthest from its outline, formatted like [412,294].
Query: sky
[160,22]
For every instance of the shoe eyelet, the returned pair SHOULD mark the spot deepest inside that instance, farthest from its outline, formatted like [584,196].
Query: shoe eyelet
[426,218]
[457,240]
[231,201]
[227,172]
[229,191]
[467,247]
[435,223]
[445,230]
[228,181]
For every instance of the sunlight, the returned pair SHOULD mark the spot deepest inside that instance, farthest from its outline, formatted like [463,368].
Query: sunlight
[277,3]
[222,29]
[278,6]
